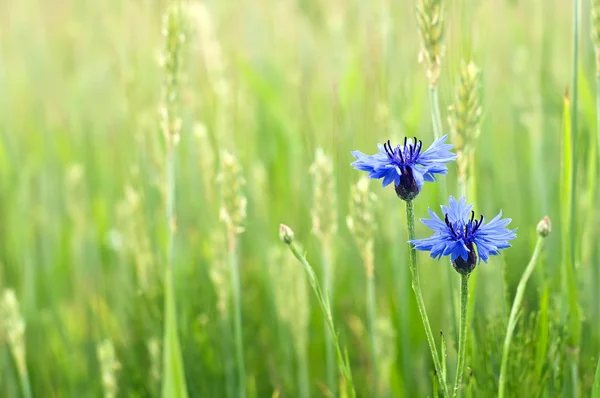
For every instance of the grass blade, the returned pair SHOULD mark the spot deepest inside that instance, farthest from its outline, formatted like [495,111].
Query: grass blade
[568,256]
[596,385]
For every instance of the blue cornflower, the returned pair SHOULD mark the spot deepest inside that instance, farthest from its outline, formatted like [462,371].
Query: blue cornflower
[406,166]
[463,237]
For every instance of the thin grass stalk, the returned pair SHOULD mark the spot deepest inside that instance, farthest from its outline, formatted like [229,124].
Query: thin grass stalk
[568,255]
[436,117]
[174,384]
[303,380]
[592,171]
[598,112]
[462,340]
[416,285]
[25,384]
[514,314]
[361,222]
[225,326]
[330,376]
[324,226]
[237,312]
[372,316]
[174,378]
[233,214]
[343,362]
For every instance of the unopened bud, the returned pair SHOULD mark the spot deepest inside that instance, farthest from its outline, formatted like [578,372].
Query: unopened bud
[286,234]
[544,227]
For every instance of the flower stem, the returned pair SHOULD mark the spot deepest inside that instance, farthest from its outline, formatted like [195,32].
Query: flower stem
[237,313]
[512,320]
[371,314]
[342,359]
[416,285]
[462,342]
[329,360]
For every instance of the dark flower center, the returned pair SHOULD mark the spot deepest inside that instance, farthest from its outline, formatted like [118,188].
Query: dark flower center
[466,234]
[469,228]
[406,154]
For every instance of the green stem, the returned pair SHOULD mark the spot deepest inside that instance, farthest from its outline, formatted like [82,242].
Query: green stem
[226,352]
[174,380]
[237,314]
[329,359]
[462,342]
[342,359]
[371,314]
[416,285]
[592,185]
[25,384]
[574,356]
[512,320]
[598,107]
[303,382]
[435,112]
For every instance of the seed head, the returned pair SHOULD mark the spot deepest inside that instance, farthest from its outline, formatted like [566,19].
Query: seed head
[544,227]
[153,347]
[132,227]
[170,62]
[108,366]
[204,39]
[288,282]
[324,211]
[430,21]
[219,273]
[233,201]
[12,328]
[361,220]
[286,234]
[465,115]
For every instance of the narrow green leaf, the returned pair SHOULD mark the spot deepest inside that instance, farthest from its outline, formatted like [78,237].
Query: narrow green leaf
[541,345]
[596,385]
[444,356]
[567,195]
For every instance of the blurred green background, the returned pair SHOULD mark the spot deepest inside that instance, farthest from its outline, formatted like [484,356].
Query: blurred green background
[82,215]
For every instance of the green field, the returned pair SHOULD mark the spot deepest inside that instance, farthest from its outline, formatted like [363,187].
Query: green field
[91,164]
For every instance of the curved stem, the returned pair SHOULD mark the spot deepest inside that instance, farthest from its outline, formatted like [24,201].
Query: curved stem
[462,342]
[416,285]
[342,358]
[512,320]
